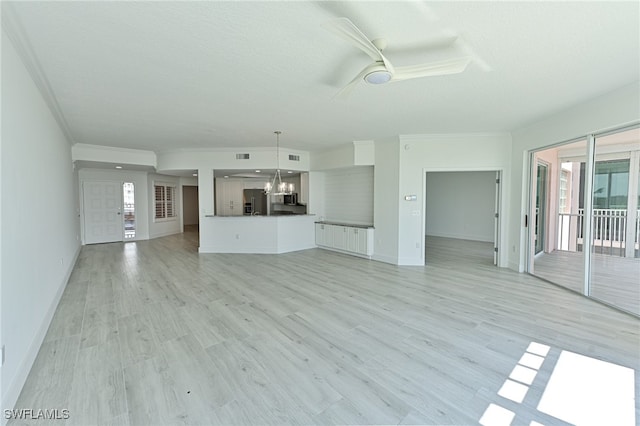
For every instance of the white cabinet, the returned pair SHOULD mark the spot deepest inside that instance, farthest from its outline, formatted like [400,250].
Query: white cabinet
[339,237]
[365,241]
[320,234]
[303,192]
[229,197]
[345,238]
[324,234]
[359,241]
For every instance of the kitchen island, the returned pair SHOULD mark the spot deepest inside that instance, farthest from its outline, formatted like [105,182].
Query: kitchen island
[257,234]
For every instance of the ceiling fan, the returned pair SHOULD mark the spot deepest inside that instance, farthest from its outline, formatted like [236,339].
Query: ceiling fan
[381,71]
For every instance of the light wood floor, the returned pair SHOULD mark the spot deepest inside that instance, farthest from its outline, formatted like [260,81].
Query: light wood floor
[153,333]
[614,279]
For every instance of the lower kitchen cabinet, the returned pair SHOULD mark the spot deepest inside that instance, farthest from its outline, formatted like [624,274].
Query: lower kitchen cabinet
[345,238]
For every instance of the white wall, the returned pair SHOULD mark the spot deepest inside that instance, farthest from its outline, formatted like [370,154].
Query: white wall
[348,195]
[260,234]
[461,205]
[334,158]
[141,194]
[40,228]
[385,201]
[108,154]
[316,203]
[618,108]
[451,152]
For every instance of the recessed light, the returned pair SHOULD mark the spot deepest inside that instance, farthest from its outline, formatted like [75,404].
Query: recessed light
[195,174]
[289,171]
[257,171]
[118,167]
[226,177]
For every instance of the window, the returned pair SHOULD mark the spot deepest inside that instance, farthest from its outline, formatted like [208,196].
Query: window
[564,190]
[128,191]
[610,185]
[165,201]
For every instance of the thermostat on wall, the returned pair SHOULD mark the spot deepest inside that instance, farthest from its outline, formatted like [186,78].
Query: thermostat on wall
[410,197]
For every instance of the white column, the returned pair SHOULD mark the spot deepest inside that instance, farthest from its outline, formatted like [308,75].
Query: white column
[588,213]
[632,204]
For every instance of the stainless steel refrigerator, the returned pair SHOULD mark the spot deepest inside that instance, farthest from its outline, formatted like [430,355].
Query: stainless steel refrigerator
[255,202]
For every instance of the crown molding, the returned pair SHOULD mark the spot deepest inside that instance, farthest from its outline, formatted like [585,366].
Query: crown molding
[16,33]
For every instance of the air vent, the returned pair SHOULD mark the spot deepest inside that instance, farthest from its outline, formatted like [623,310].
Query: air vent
[294,157]
[242,156]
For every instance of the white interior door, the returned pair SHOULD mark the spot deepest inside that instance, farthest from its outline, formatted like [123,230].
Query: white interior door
[496,222]
[102,203]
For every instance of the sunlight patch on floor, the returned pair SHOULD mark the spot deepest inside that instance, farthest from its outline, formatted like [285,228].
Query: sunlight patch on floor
[587,391]
[581,390]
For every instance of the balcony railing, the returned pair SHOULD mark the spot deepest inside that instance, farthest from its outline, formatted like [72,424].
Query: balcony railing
[609,231]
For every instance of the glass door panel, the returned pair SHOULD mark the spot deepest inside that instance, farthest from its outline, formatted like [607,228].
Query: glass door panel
[128,191]
[558,215]
[615,265]
[541,207]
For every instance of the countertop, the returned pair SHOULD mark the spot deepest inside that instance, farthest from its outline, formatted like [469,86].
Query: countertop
[260,215]
[353,225]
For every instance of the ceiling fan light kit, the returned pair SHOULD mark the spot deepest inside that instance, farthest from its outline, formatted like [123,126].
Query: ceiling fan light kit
[382,71]
[378,75]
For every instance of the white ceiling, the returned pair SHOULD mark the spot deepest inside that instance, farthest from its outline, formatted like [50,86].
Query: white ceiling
[167,75]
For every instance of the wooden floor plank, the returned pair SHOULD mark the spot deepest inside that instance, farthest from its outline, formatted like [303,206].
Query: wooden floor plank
[151,332]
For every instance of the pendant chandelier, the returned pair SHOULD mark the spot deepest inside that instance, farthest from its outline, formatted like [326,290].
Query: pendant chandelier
[277,186]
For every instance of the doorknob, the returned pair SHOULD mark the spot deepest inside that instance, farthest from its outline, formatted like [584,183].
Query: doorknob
[118,213]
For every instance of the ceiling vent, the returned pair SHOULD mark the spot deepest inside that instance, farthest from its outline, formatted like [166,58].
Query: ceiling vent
[242,156]
[294,157]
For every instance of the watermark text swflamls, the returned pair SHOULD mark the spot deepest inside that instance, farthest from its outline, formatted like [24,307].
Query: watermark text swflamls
[39,414]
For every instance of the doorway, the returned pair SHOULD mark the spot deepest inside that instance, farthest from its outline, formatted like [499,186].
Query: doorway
[462,217]
[190,209]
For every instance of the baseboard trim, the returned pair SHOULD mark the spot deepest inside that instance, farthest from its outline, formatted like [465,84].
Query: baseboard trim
[410,261]
[13,391]
[164,234]
[479,238]
[385,259]
[350,253]
[516,267]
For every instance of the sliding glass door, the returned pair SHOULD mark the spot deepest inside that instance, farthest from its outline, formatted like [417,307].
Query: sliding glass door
[557,212]
[585,200]
[615,261]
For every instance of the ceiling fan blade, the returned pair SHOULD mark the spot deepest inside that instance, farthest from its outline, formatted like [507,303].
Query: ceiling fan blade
[449,66]
[346,29]
[346,90]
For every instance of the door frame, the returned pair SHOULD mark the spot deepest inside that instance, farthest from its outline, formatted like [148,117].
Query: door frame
[182,204]
[499,243]
[544,217]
